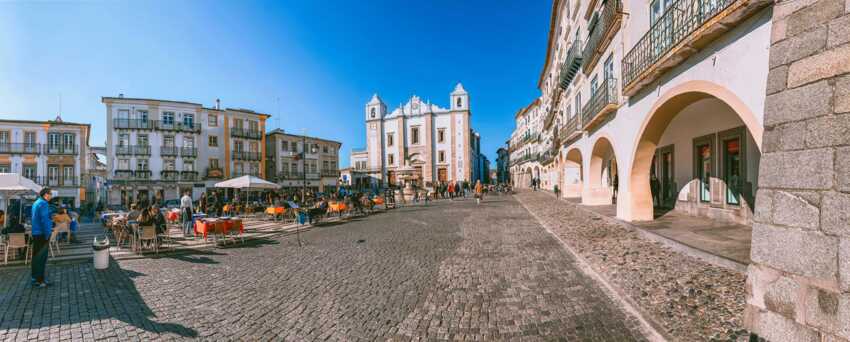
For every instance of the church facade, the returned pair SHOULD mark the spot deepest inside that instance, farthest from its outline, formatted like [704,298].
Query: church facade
[420,142]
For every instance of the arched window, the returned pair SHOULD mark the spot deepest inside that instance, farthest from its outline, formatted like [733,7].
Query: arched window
[373,112]
[459,102]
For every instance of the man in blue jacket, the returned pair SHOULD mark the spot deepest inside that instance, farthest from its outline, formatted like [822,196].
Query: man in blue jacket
[42,227]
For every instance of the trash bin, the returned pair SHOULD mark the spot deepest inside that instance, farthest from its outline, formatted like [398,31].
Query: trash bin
[100,249]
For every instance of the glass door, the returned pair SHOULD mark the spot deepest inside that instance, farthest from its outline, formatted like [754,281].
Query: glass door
[704,172]
[732,170]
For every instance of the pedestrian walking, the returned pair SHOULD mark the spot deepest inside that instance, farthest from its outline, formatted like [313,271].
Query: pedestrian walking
[187,213]
[479,192]
[42,227]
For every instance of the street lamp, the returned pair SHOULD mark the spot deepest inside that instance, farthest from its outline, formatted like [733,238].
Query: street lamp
[303,157]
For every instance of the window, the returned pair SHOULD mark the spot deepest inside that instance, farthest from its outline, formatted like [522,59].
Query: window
[391,159]
[188,119]
[213,120]
[168,140]
[333,166]
[68,175]
[142,140]
[253,126]
[459,102]
[294,146]
[389,139]
[188,142]
[213,141]
[373,112]
[657,9]
[324,149]
[168,118]
[733,166]
[414,135]
[142,115]
[594,85]
[441,135]
[254,147]
[123,164]
[325,165]
[53,175]
[238,168]
[30,171]
[214,163]
[284,145]
[123,114]
[68,140]
[188,166]
[441,156]
[608,70]
[237,146]
[5,168]
[141,164]
[237,123]
[29,138]
[169,165]
[704,166]
[4,137]
[578,102]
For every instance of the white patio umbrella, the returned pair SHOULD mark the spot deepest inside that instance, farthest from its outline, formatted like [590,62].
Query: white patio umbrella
[14,184]
[249,183]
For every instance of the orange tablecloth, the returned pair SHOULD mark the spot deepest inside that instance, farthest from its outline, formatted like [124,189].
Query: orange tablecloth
[379,200]
[173,216]
[204,227]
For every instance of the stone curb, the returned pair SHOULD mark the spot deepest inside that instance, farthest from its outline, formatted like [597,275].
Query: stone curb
[651,328]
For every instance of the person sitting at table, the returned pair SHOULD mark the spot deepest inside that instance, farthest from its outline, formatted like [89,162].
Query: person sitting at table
[62,220]
[145,218]
[158,219]
[134,213]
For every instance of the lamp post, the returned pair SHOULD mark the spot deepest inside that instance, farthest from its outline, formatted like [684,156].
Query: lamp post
[303,158]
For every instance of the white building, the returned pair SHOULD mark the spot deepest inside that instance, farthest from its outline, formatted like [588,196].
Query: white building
[432,143]
[158,149]
[674,91]
[50,153]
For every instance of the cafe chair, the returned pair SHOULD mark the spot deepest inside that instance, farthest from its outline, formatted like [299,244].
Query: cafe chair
[14,242]
[148,234]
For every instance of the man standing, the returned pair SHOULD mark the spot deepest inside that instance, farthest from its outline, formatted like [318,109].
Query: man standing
[186,209]
[42,227]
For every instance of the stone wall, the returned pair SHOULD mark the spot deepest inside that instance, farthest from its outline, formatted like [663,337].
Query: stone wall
[798,286]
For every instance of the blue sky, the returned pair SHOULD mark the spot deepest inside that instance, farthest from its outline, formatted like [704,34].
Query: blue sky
[311,64]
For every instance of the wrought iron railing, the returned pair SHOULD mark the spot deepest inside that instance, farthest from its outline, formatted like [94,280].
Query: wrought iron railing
[60,149]
[188,176]
[677,23]
[169,175]
[247,133]
[246,155]
[571,64]
[142,174]
[611,14]
[214,173]
[188,152]
[606,94]
[290,175]
[20,148]
[133,124]
[142,150]
[330,173]
[168,151]
[186,127]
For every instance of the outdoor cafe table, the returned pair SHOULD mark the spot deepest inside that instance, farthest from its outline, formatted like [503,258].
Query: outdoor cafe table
[205,226]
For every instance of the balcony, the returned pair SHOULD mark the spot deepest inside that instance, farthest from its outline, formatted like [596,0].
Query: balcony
[189,152]
[123,174]
[169,175]
[142,150]
[246,155]
[604,26]
[60,149]
[19,148]
[330,173]
[238,132]
[133,124]
[570,130]
[142,174]
[237,174]
[290,175]
[602,103]
[683,30]
[123,150]
[57,182]
[214,173]
[168,151]
[571,65]
[188,176]
[184,127]
[546,158]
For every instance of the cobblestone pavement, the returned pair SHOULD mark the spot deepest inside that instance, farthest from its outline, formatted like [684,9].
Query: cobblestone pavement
[452,270]
[689,299]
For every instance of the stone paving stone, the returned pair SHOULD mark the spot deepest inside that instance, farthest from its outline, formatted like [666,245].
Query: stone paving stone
[690,299]
[453,270]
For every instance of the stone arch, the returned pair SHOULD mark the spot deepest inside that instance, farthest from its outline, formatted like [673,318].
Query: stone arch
[602,170]
[526,183]
[665,109]
[573,177]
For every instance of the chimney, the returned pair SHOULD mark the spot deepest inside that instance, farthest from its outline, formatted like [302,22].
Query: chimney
[121,96]
[217,103]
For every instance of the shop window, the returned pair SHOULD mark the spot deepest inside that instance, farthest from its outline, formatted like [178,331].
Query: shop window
[704,166]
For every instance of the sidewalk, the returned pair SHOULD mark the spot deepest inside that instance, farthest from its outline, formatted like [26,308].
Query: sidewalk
[682,296]
[720,239]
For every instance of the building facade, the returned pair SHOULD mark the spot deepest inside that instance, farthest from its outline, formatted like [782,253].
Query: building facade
[503,160]
[51,153]
[646,115]
[420,141]
[289,165]
[523,146]
[159,149]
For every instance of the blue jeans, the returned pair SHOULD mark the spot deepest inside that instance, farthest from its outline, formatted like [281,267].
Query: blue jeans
[188,228]
[39,257]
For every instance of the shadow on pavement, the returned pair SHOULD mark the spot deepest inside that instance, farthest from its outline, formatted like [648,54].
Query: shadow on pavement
[78,294]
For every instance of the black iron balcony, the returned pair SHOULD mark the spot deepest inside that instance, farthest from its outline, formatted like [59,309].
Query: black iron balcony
[122,150]
[185,127]
[57,181]
[546,158]
[246,155]
[247,133]
[237,174]
[142,150]
[142,174]
[133,124]
[123,174]
[570,130]
[188,152]
[603,26]
[684,29]
[330,173]
[290,175]
[19,148]
[168,151]
[60,149]
[169,175]
[188,176]
[571,65]
[214,173]
[603,102]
